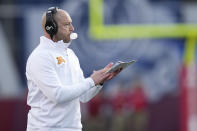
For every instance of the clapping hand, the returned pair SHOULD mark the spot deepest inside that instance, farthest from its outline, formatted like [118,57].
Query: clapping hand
[101,76]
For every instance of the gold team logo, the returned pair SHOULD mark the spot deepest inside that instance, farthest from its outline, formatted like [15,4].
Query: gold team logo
[60,60]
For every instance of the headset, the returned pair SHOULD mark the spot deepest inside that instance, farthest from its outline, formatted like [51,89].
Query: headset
[51,26]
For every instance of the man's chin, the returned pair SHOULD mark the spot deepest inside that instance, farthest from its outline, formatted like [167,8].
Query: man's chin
[66,40]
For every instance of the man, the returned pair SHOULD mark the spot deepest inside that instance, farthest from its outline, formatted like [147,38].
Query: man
[55,80]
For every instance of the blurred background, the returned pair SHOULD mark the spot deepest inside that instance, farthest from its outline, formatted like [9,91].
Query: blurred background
[157,93]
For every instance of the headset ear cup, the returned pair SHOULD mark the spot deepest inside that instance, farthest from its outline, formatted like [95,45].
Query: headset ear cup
[55,27]
[51,26]
[48,28]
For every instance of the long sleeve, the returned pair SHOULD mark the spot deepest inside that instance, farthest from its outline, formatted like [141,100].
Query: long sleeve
[88,95]
[42,70]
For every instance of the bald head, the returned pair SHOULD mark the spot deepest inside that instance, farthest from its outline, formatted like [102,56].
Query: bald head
[64,23]
[57,17]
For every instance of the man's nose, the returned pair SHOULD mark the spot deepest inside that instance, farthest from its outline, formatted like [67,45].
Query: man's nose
[72,28]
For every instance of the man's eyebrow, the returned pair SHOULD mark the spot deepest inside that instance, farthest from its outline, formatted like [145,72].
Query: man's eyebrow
[67,22]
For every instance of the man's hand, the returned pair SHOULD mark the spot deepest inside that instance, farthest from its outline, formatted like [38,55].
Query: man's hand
[101,76]
[113,74]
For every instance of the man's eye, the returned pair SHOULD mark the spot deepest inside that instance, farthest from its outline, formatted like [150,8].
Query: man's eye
[67,24]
